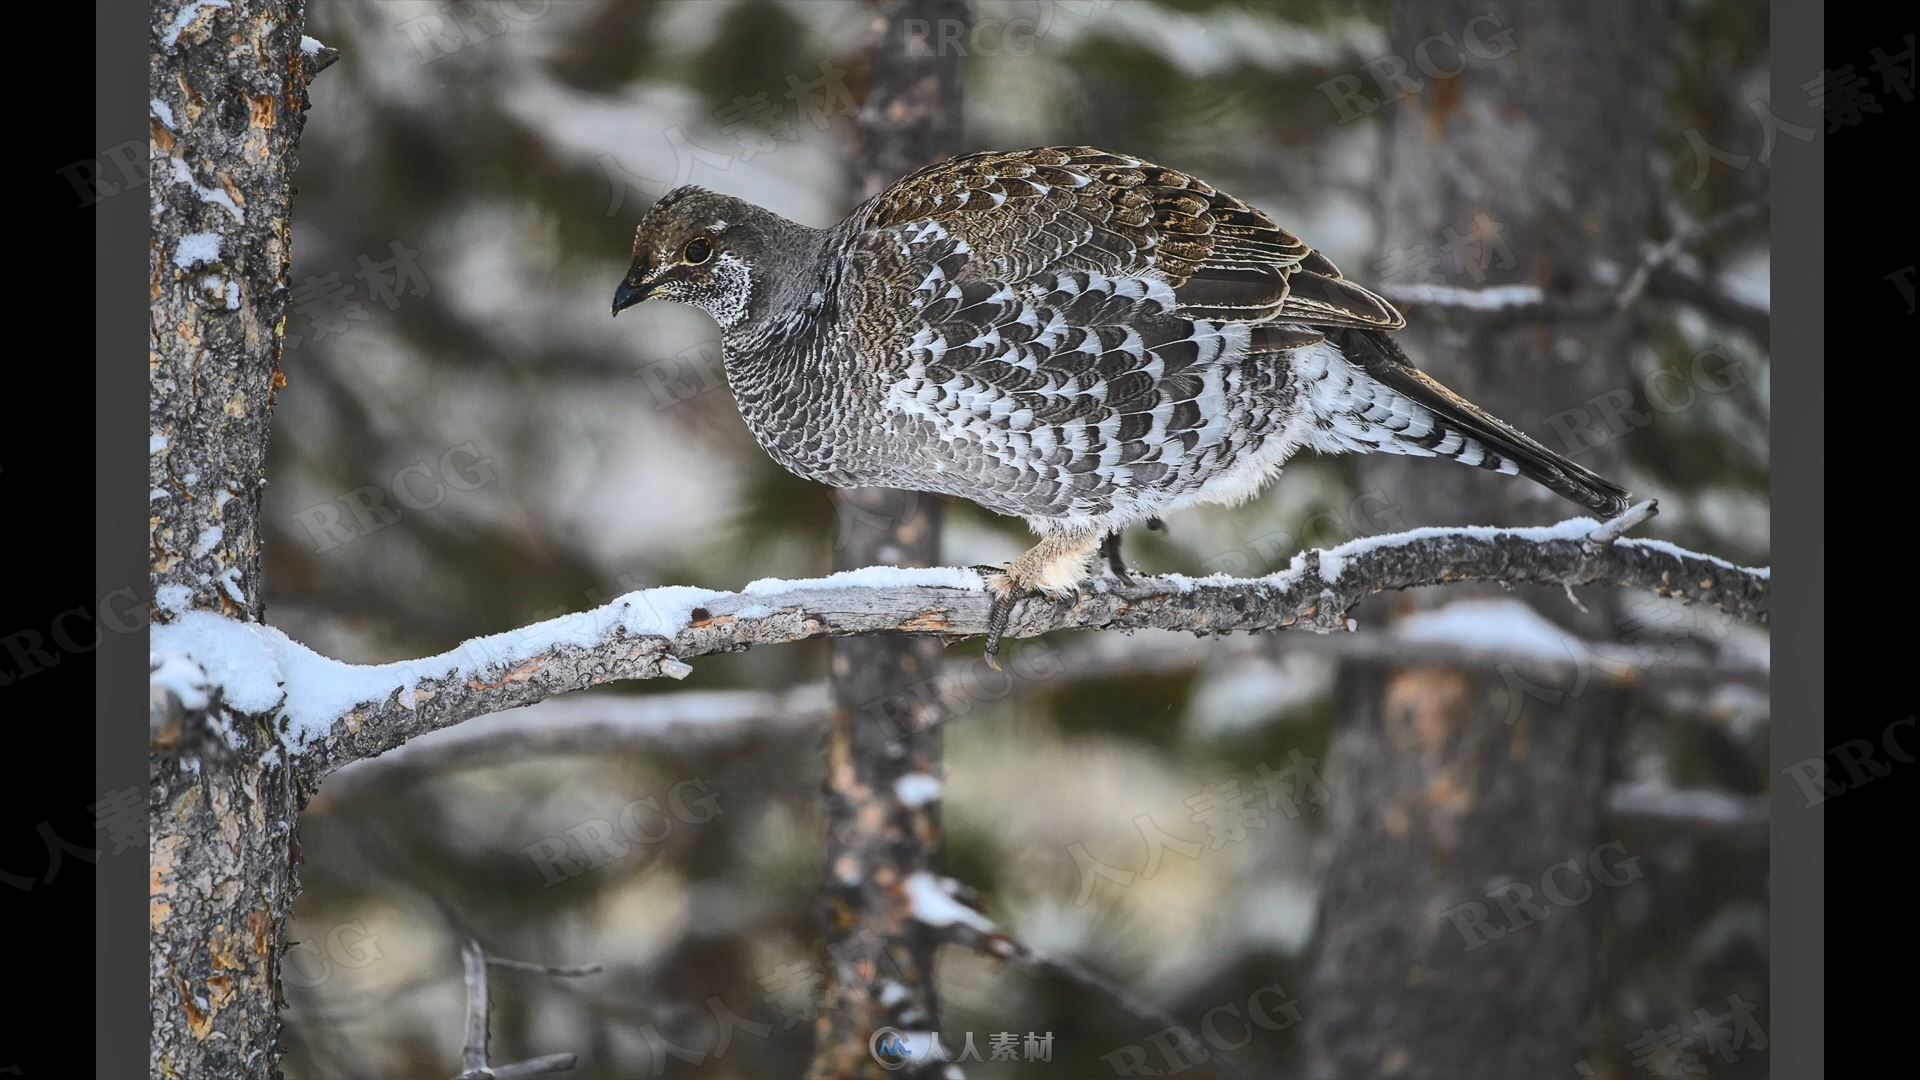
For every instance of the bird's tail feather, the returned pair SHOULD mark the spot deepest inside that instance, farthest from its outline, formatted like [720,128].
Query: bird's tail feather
[1412,413]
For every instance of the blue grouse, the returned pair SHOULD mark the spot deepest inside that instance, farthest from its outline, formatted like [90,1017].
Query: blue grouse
[1068,335]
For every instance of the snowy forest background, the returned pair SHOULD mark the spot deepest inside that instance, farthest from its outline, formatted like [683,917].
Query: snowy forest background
[467,442]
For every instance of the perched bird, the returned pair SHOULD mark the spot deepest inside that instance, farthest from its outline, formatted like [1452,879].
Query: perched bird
[1064,334]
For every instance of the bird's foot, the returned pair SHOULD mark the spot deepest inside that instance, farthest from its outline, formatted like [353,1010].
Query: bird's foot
[1053,569]
[1007,589]
[1000,586]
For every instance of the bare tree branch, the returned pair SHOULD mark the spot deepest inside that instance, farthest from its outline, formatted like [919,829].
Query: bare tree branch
[1682,285]
[1684,239]
[1604,663]
[591,724]
[473,1055]
[560,970]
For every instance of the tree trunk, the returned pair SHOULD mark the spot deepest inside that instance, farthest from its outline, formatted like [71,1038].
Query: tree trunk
[229,90]
[1456,939]
[886,716]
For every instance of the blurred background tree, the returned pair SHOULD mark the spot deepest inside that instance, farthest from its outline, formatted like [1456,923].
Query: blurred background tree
[467,443]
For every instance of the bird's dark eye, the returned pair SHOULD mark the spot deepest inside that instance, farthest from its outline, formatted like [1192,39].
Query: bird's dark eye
[699,250]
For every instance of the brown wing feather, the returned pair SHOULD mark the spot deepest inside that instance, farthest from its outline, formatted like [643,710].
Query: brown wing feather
[1082,208]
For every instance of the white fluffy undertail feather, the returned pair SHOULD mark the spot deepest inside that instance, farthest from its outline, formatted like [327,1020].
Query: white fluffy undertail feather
[1349,412]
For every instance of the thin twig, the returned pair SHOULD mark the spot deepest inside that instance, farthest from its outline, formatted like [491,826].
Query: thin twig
[474,962]
[545,1065]
[1683,239]
[473,1057]
[1680,285]
[544,969]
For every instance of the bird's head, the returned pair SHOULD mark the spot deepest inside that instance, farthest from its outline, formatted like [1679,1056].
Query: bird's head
[705,249]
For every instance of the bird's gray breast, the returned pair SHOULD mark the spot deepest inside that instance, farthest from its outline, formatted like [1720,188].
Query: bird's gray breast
[806,403]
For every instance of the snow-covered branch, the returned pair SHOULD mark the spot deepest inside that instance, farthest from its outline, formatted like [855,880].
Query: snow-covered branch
[330,713]
[1659,272]
[686,720]
[1705,810]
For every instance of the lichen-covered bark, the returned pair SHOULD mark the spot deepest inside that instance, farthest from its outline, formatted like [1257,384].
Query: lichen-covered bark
[886,722]
[228,91]
[1440,795]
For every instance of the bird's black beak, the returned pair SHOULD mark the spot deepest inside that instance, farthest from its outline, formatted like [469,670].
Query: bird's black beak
[628,294]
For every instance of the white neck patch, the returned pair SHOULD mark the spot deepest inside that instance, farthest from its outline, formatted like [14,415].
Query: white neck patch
[733,288]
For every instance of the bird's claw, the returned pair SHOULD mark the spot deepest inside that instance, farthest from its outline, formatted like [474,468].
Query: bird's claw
[1000,586]
[997,619]
[1110,547]
[1006,592]
[996,578]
